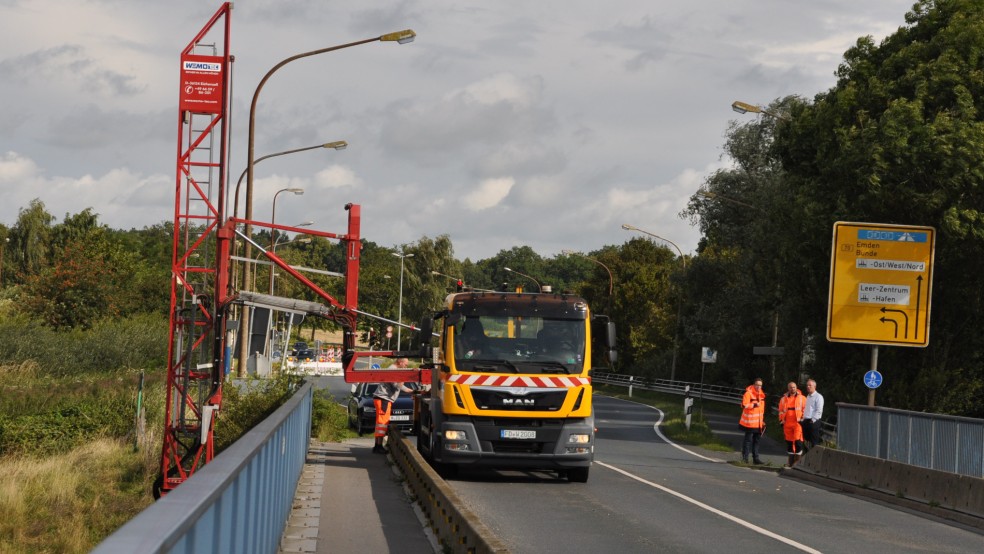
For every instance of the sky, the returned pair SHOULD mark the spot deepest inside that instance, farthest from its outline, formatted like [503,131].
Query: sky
[546,124]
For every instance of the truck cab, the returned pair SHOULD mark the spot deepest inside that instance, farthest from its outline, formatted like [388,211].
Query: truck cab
[511,385]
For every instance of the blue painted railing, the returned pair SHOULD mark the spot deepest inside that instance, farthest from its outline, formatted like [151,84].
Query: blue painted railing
[238,503]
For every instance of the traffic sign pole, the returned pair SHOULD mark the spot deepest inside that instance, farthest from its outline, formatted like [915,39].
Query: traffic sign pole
[874,367]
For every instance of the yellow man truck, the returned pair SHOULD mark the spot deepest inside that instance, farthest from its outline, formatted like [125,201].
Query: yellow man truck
[511,383]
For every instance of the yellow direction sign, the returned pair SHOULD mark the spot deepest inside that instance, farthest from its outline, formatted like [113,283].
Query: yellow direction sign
[881,280]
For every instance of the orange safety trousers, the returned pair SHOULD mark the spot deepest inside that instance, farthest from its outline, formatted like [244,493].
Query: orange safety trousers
[790,413]
[383,409]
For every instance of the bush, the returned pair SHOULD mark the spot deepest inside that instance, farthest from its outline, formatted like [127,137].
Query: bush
[247,402]
[329,420]
[111,345]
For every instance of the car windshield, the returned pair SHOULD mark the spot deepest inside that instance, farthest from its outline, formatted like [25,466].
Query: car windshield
[519,345]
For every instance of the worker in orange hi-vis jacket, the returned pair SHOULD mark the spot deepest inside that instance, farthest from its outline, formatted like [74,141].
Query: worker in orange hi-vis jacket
[791,406]
[752,421]
[383,399]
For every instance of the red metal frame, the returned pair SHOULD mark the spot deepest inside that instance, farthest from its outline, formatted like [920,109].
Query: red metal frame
[201,295]
[199,279]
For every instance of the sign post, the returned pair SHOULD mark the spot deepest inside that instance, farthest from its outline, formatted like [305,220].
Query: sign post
[708,355]
[873,379]
[688,405]
[881,282]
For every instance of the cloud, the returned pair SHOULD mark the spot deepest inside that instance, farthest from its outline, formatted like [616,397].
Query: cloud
[488,194]
[336,176]
[68,65]
[122,197]
[15,168]
[491,111]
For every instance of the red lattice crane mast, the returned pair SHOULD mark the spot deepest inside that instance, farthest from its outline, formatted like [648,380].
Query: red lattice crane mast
[202,295]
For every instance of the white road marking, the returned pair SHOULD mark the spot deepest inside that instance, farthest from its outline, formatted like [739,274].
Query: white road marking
[713,510]
[668,441]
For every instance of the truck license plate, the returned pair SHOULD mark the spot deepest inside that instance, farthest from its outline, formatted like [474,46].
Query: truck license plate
[511,434]
[400,418]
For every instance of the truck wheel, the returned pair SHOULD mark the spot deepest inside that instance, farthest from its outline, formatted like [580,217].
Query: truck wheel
[442,469]
[424,453]
[578,474]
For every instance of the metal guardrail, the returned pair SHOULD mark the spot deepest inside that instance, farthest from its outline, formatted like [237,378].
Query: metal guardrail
[947,443]
[457,527]
[711,392]
[238,503]
[732,395]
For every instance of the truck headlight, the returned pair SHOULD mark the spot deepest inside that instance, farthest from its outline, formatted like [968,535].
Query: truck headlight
[455,435]
[579,438]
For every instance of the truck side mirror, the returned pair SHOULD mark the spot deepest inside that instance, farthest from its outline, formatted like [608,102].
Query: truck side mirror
[426,330]
[608,332]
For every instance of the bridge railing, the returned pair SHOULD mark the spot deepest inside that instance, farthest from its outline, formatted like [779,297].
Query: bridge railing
[239,502]
[934,441]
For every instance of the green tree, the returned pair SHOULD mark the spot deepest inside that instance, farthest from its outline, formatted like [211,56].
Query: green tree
[738,284]
[520,258]
[28,246]
[646,305]
[899,139]
[82,285]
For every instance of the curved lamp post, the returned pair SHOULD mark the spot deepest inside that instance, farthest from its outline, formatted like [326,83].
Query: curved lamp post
[676,336]
[745,107]
[611,280]
[401,37]
[538,287]
[336,145]
[273,238]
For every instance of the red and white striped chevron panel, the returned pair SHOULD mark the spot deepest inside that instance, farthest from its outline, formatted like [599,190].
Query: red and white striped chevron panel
[540,381]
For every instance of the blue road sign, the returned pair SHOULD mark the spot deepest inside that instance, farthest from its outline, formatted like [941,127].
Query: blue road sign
[376,366]
[873,379]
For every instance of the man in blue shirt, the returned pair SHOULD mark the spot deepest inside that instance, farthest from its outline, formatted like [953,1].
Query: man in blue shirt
[812,415]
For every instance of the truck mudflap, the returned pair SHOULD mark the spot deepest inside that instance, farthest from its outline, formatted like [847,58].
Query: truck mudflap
[518,443]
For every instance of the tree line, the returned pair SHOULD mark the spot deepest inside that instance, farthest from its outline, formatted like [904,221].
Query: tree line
[898,139]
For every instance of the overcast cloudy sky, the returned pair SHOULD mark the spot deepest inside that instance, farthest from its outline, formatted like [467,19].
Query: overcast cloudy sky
[545,123]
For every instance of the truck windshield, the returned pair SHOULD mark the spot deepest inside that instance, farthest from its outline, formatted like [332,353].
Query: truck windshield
[519,344]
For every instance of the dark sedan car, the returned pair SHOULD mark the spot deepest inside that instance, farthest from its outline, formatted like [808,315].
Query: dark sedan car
[362,413]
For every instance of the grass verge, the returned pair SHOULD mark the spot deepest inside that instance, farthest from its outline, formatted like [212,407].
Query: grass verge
[69,502]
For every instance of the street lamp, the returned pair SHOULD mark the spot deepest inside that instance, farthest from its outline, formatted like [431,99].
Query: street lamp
[275,240]
[399,313]
[676,337]
[336,145]
[715,196]
[460,281]
[538,287]
[744,107]
[401,37]
[273,230]
[611,280]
